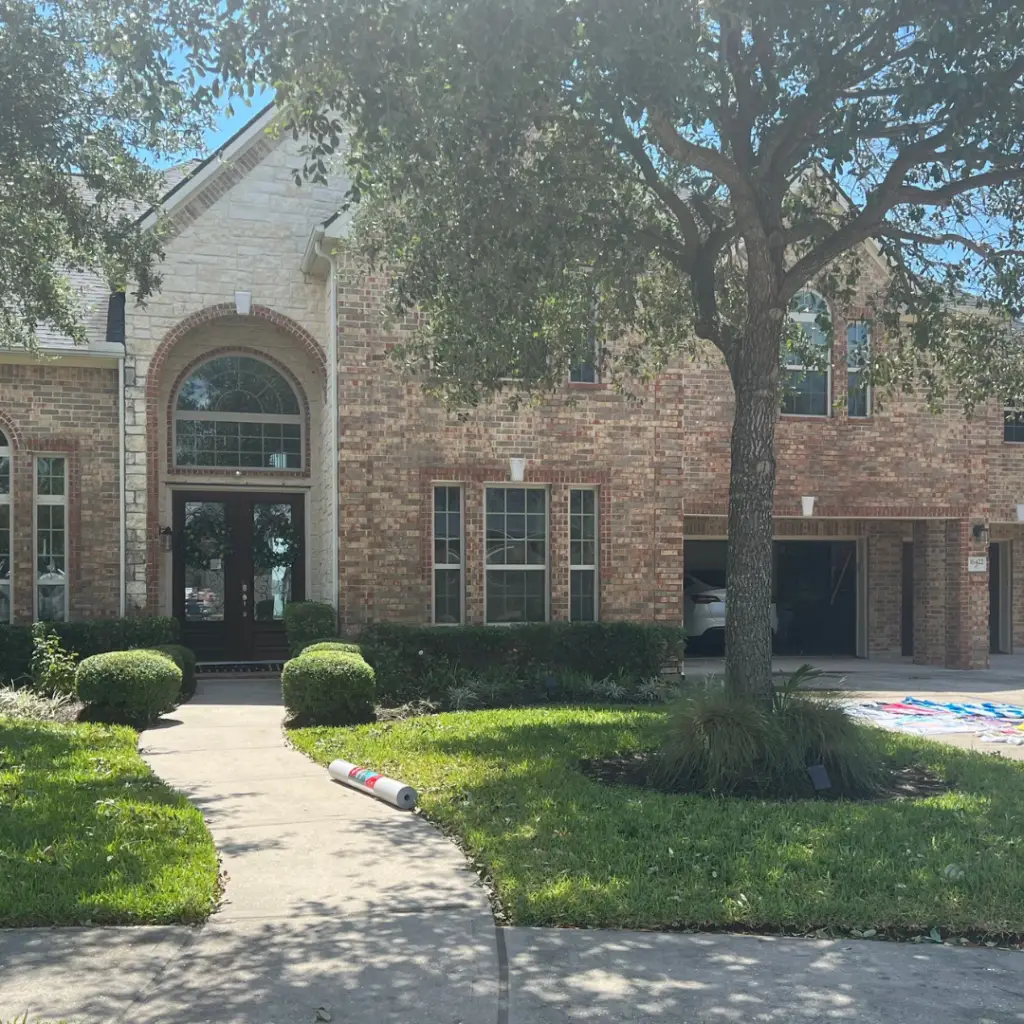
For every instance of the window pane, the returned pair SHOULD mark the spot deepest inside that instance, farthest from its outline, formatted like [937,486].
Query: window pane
[5,546]
[1013,426]
[582,596]
[50,543]
[806,393]
[515,596]
[447,596]
[536,501]
[50,603]
[5,602]
[238,384]
[583,373]
[857,400]
[50,476]
[5,478]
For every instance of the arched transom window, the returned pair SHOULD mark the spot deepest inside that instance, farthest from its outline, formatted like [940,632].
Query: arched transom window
[237,412]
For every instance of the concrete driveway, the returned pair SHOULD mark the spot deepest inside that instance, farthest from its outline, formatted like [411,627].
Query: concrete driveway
[336,901]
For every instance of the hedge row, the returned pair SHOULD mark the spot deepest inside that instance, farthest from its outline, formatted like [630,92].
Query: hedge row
[96,636]
[412,662]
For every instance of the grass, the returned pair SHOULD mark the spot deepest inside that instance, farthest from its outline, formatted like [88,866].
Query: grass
[562,849]
[89,835]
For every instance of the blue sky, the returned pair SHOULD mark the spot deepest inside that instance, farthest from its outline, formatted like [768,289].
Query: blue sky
[227,126]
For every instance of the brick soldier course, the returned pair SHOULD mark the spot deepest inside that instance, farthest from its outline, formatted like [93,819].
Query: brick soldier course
[660,468]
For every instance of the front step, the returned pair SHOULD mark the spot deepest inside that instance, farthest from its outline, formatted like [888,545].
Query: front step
[238,669]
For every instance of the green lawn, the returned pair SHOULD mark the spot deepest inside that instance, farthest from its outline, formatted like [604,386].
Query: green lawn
[565,850]
[89,834]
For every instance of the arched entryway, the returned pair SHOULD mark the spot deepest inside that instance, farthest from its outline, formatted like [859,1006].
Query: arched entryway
[236,474]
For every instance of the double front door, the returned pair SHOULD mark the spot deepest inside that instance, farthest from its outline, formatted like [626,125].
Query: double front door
[238,563]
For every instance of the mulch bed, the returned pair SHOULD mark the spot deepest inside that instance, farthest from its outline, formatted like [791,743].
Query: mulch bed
[639,770]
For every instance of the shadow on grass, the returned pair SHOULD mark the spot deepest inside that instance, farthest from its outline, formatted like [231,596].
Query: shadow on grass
[88,834]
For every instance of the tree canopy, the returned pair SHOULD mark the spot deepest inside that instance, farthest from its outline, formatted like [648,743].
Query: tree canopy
[91,92]
[663,171]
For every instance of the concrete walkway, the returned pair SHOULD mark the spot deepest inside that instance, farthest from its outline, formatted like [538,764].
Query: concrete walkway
[335,900]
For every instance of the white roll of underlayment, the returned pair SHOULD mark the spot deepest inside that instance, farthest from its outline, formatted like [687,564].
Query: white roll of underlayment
[368,781]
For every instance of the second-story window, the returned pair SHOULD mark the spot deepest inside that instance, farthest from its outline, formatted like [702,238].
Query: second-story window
[858,356]
[806,367]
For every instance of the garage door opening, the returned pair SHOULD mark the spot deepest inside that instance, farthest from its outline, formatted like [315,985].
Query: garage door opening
[814,592]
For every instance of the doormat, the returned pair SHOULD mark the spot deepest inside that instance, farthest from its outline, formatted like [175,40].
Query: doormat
[238,668]
[991,722]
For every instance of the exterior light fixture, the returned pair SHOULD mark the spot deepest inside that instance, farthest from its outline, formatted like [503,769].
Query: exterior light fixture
[517,469]
[979,531]
[1020,513]
[807,505]
[243,303]
[166,539]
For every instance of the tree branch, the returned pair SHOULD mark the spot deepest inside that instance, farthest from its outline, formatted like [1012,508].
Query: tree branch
[983,249]
[944,193]
[704,157]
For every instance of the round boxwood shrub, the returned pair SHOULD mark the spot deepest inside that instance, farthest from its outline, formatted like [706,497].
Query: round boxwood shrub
[332,645]
[133,687]
[328,688]
[185,659]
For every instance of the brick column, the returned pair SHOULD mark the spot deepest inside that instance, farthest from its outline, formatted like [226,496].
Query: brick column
[967,599]
[930,592]
[885,587]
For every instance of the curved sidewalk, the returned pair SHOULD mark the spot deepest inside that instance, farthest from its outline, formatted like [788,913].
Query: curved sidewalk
[332,899]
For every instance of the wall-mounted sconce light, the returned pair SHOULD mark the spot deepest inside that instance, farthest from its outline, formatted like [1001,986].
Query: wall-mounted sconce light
[1020,513]
[517,469]
[243,303]
[979,531]
[807,505]
[166,539]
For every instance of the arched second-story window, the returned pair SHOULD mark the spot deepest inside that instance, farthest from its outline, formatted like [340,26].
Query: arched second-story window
[807,381]
[237,412]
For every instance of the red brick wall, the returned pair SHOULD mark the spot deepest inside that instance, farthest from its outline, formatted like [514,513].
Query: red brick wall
[396,441]
[72,410]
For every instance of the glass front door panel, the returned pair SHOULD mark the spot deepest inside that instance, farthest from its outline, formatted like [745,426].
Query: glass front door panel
[206,549]
[275,548]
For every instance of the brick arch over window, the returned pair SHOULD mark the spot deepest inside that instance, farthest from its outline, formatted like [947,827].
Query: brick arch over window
[11,432]
[202,317]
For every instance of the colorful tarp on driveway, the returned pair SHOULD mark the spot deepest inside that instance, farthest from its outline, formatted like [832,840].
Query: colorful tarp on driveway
[993,722]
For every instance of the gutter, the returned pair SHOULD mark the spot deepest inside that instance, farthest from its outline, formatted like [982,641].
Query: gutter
[122,497]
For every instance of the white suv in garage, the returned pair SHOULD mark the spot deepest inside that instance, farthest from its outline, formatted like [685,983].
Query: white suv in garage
[704,608]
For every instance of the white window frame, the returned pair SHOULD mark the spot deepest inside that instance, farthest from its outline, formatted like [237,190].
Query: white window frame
[237,417]
[545,568]
[448,566]
[595,567]
[812,320]
[866,324]
[7,501]
[39,500]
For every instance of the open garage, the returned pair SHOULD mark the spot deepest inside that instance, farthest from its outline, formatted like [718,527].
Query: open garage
[814,592]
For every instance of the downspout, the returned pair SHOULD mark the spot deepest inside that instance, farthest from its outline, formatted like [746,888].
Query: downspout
[122,605]
[332,412]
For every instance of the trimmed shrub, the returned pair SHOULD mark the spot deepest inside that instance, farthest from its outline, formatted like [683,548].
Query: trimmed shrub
[328,688]
[131,687]
[185,659]
[332,645]
[95,636]
[411,661]
[307,622]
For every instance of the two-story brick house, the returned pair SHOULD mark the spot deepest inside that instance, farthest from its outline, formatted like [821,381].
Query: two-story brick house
[244,440]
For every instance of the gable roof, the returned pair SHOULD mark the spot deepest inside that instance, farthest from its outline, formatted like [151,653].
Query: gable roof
[199,173]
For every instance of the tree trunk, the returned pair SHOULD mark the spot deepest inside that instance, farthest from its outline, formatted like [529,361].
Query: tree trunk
[754,367]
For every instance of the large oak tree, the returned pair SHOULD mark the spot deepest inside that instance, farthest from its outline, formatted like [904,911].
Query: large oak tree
[680,170]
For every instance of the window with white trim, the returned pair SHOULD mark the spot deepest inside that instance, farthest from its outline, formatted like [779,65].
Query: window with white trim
[6,550]
[237,412]
[51,538]
[448,554]
[582,554]
[516,554]
[807,381]
[858,357]
[1013,425]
